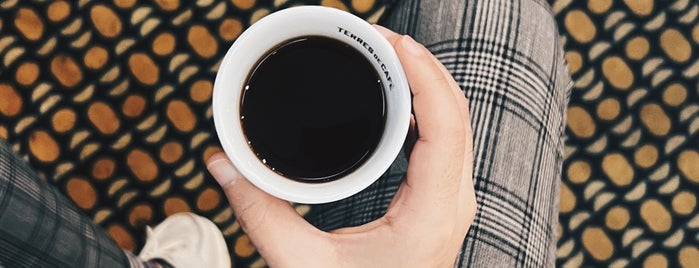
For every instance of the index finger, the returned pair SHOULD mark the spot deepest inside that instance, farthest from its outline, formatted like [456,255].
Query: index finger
[436,162]
[422,76]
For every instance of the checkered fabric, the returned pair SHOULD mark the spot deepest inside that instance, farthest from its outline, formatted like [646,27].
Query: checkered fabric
[39,227]
[506,57]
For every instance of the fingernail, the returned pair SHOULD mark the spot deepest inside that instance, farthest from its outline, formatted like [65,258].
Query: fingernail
[222,170]
[385,32]
[215,157]
[412,46]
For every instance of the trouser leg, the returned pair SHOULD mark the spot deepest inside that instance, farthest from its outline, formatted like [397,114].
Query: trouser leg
[506,57]
[39,227]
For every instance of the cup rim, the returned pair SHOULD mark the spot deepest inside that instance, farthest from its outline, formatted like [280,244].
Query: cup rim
[228,88]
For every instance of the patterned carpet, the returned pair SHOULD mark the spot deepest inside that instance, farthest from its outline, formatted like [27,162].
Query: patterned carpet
[631,178]
[110,101]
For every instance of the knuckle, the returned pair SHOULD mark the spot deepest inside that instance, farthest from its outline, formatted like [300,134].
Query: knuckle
[249,216]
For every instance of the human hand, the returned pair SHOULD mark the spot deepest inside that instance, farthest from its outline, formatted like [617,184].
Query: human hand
[426,221]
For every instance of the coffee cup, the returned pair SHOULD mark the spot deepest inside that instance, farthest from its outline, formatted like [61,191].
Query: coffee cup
[249,75]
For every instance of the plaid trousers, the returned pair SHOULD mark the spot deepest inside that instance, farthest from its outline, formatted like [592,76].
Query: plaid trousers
[506,57]
[39,227]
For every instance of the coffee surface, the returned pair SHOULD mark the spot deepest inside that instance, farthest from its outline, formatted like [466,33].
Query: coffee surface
[313,109]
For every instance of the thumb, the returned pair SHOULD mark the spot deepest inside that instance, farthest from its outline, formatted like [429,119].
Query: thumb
[272,224]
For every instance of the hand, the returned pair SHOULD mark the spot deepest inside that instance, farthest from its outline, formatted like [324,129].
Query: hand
[428,218]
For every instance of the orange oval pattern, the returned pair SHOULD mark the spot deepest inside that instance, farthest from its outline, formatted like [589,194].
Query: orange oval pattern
[66,70]
[29,24]
[143,68]
[631,173]
[142,165]
[105,21]
[103,117]
[111,101]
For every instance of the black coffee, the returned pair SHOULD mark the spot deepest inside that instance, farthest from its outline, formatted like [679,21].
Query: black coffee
[313,109]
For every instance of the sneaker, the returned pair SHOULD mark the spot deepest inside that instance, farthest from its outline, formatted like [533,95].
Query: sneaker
[186,240]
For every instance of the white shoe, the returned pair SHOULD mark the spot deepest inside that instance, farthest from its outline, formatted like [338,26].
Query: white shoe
[186,240]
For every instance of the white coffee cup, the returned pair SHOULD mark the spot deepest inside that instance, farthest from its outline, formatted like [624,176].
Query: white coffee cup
[265,35]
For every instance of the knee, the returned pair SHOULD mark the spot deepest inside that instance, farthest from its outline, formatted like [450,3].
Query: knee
[537,30]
